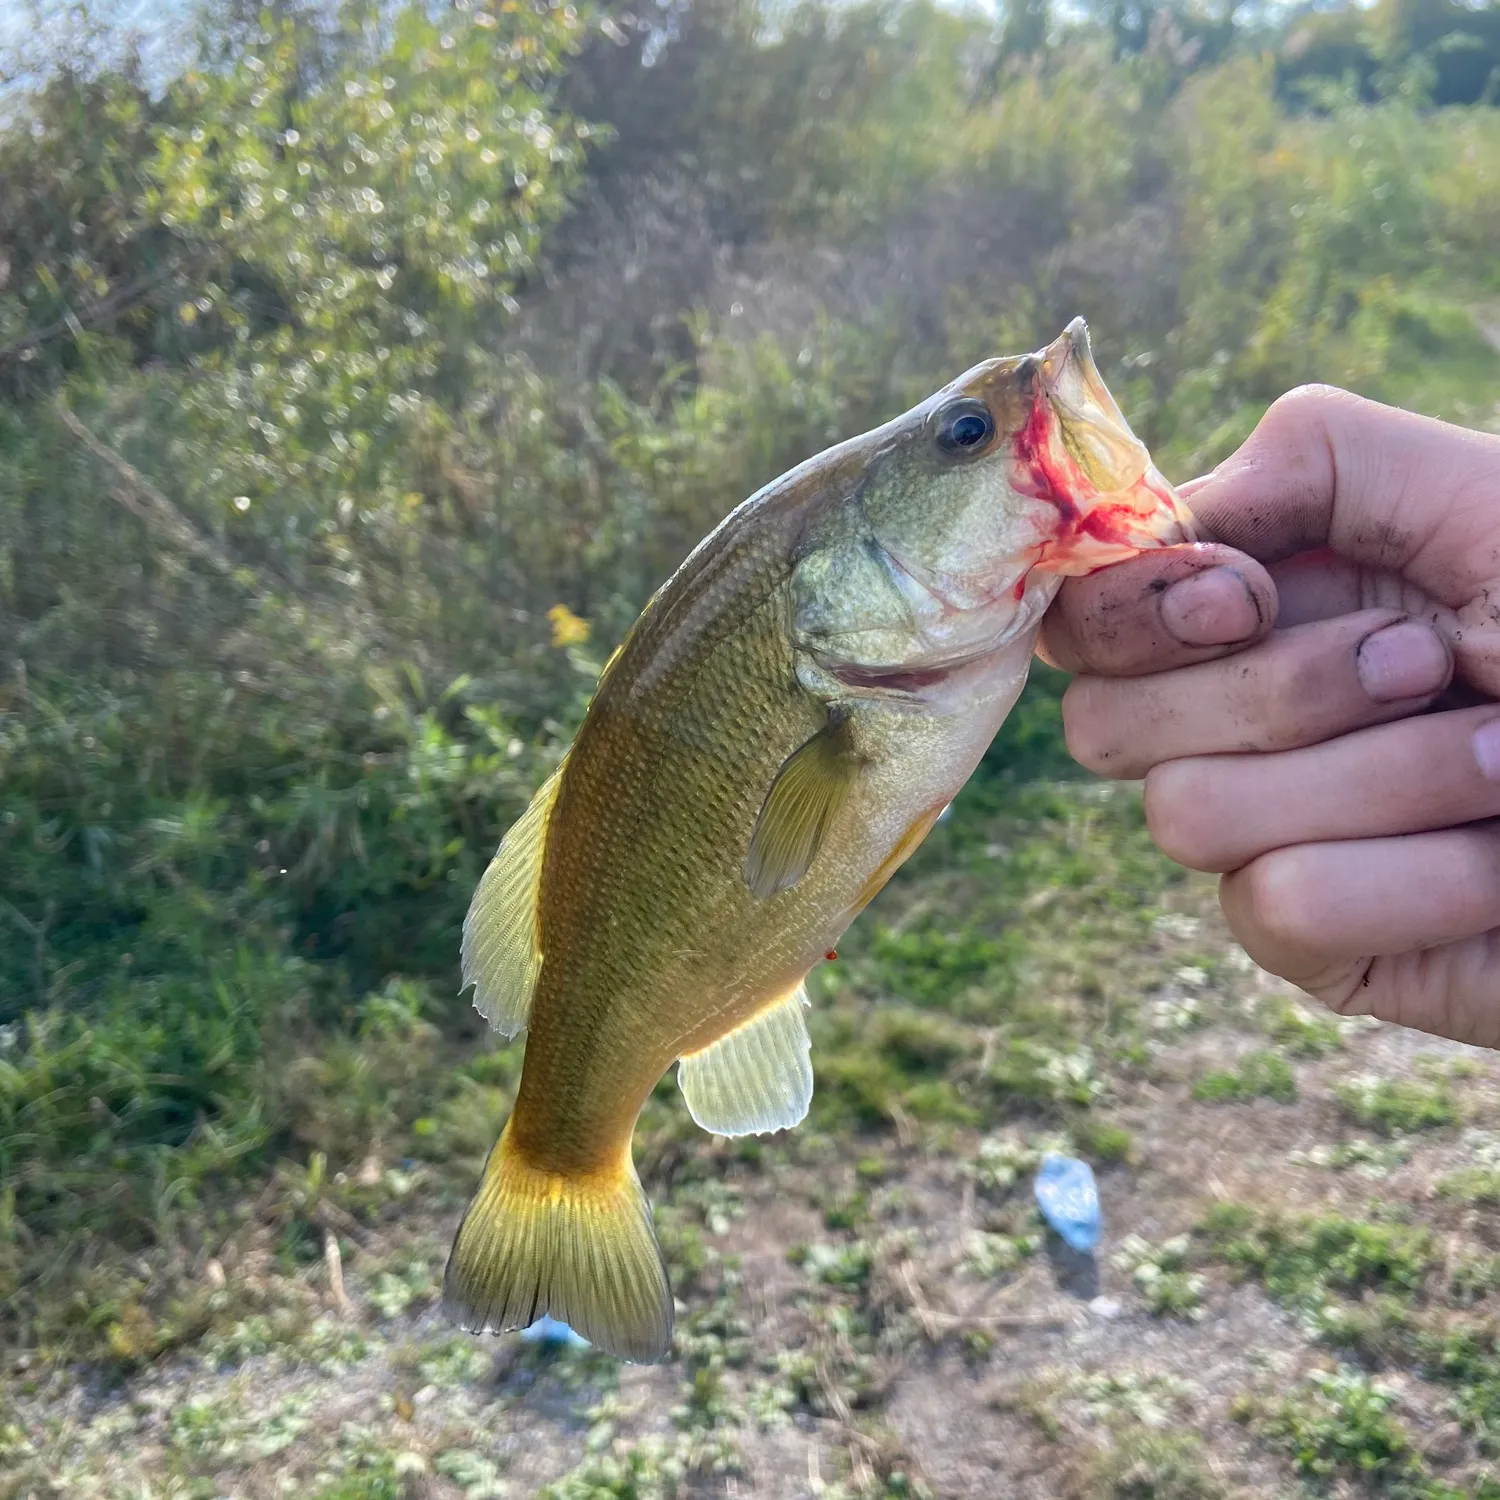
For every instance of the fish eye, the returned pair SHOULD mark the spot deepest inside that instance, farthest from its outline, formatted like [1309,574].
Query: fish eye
[965,426]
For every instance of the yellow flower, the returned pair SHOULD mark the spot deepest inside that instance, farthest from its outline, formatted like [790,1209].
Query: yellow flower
[567,628]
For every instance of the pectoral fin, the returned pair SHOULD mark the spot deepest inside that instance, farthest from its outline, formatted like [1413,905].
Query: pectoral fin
[806,796]
[502,946]
[756,1079]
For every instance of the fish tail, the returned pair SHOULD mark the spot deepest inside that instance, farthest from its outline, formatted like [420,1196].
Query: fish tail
[578,1248]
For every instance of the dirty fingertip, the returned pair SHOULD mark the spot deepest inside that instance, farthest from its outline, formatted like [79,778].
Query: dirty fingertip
[1403,661]
[1216,607]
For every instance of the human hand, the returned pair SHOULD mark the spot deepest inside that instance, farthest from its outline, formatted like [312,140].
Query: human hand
[1351,827]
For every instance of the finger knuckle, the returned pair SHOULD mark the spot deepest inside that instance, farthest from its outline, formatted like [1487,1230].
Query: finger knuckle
[1276,897]
[1088,729]
[1299,688]
[1309,405]
[1268,706]
[1180,814]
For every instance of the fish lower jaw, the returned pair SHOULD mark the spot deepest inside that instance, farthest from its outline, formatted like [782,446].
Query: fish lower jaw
[909,680]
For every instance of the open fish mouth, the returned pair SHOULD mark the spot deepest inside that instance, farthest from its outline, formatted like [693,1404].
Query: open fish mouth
[1079,453]
[1093,428]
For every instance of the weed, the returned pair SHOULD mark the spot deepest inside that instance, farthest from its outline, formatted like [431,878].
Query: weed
[1102,1142]
[1298,1030]
[1341,1423]
[370,1473]
[395,1291]
[847,1211]
[1002,1161]
[1301,1259]
[989,1255]
[1161,1274]
[1149,1465]
[1479,1185]
[1373,1159]
[457,1360]
[1176,1012]
[477,1476]
[836,1265]
[1468,1359]
[1260,1075]
[656,1468]
[1396,1106]
[1142,1397]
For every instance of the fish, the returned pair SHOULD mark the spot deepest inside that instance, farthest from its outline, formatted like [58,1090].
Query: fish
[781,727]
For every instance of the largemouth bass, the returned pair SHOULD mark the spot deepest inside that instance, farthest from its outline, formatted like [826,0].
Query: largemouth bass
[778,732]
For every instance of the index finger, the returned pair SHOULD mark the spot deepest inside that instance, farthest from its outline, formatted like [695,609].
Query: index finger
[1166,608]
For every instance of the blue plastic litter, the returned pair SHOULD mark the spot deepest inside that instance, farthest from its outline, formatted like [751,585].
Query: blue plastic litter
[549,1331]
[1069,1201]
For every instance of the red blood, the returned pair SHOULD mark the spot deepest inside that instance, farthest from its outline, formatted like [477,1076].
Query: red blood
[1057,479]
[1051,479]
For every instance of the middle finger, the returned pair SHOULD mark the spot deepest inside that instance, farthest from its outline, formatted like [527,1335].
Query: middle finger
[1430,772]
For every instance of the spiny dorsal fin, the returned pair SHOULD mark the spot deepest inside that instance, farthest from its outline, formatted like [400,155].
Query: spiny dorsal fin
[502,947]
[756,1079]
[804,799]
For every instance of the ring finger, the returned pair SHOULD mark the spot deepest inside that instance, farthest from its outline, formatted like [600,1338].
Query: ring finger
[1400,928]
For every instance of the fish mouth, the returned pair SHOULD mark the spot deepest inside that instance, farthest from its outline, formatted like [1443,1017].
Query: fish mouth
[1079,453]
[1093,428]
[908,680]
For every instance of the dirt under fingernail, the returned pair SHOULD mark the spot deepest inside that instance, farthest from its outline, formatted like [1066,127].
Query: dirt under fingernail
[1405,660]
[1213,608]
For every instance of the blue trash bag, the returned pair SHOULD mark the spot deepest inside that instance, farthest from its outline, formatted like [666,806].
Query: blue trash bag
[549,1331]
[1069,1201]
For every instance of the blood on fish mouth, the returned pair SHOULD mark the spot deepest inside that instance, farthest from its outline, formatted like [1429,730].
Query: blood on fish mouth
[1045,474]
[1101,517]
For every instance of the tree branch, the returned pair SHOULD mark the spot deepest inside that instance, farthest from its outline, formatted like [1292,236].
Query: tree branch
[143,500]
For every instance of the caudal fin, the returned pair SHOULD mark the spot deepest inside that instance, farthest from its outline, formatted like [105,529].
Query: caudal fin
[577,1248]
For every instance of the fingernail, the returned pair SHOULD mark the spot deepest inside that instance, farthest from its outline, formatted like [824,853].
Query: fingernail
[1408,660]
[1486,744]
[1212,608]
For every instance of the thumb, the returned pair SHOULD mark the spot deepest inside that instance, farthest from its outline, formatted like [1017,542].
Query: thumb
[1382,487]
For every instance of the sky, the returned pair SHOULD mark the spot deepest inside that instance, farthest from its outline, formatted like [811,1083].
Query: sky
[163,26]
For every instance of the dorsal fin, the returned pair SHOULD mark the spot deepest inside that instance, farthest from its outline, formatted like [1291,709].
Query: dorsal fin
[757,1078]
[809,790]
[502,947]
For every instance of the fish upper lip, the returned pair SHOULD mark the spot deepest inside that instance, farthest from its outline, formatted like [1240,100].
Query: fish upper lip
[1072,351]
[1090,419]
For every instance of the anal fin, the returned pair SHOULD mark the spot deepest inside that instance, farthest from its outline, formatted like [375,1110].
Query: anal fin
[757,1078]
